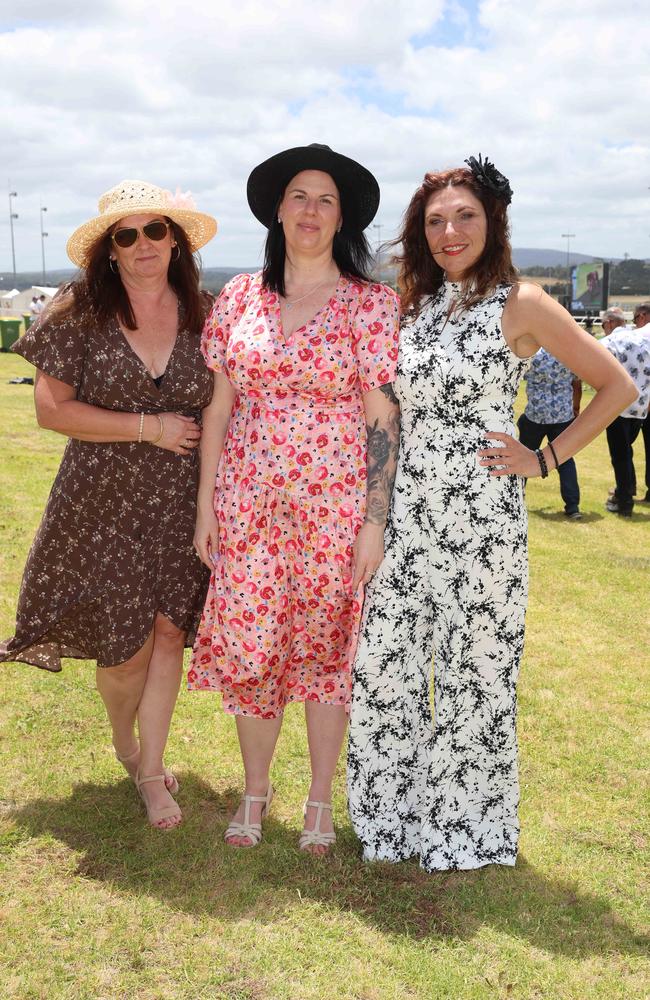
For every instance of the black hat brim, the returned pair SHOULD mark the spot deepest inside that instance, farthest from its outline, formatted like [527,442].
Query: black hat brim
[358,189]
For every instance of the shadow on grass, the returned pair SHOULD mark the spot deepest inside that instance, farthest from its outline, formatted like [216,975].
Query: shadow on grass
[191,869]
[543,514]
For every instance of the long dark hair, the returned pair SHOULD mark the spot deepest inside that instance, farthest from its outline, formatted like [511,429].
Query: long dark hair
[98,290]
[350,250]
[420,274]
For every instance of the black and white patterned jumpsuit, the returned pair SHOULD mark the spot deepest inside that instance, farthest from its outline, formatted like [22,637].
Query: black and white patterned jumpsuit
[453,586]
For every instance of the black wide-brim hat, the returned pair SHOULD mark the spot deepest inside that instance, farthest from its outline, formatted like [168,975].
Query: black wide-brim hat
[358,189]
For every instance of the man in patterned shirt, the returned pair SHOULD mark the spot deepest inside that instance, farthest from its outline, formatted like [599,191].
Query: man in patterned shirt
[632,349]
[552,405]
[642,320]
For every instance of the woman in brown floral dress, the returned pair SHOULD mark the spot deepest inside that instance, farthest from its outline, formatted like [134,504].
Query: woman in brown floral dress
[112,574]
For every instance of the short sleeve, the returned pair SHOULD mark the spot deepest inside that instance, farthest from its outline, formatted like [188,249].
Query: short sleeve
[220,320]
[57,346]
[375,333]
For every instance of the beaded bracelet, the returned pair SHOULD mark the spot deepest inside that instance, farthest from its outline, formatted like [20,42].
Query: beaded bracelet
[557,464]
[140,429]
[542,463]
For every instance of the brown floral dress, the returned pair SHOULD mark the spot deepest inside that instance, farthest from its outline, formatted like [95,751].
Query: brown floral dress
[115,543]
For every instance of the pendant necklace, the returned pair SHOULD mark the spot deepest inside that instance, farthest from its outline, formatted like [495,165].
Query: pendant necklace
[290,305]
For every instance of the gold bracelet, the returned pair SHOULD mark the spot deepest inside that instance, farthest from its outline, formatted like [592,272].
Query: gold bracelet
[162,429]
[140,428]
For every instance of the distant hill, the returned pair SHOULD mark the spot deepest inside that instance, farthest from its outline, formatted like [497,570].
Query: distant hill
[214,278]
[535,257]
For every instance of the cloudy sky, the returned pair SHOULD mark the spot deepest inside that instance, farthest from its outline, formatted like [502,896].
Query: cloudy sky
[556,92]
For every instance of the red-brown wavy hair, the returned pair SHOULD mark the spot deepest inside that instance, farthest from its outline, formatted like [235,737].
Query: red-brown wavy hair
[419,272]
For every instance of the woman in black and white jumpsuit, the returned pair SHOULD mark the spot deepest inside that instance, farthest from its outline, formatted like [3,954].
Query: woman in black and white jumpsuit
[453,584]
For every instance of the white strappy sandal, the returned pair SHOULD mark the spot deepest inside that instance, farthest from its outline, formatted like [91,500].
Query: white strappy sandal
[253,831]
[316,837]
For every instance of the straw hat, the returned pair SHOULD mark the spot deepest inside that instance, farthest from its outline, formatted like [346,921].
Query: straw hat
[140,198]
[358,188]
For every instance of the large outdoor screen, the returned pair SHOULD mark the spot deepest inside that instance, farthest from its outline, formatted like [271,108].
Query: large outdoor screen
[589,284]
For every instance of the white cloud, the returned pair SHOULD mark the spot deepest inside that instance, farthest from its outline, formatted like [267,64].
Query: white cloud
[555,93]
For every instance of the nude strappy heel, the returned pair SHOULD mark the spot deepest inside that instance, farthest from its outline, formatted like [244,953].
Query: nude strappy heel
[170,778]
[316,837]
[253,831]
[155,815]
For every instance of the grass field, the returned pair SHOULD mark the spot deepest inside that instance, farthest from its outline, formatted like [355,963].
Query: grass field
[94,904]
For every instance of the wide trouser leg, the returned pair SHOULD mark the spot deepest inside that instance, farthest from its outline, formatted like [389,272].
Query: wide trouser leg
[470,817]
[390,724]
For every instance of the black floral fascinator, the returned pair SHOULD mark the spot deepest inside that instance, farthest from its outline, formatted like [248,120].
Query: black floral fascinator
[487,175]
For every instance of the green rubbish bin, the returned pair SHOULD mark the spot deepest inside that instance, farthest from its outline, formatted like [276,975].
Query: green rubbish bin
[27,320]
[9,332]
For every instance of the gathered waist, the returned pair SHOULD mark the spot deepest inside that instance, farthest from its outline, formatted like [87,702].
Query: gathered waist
[305,403]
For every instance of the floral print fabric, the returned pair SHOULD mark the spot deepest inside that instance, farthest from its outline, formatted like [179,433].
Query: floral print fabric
[115,543]
[452,588]
[281,620]
[549,390]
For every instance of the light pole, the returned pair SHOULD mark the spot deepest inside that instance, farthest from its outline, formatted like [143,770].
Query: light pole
[43,235]
[12,216]
[377,226]
[568,237]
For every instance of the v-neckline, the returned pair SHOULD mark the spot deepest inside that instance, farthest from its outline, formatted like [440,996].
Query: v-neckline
[307,323]
[151,378]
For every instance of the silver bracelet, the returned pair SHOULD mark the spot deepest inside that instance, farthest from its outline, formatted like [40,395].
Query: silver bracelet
[141,428]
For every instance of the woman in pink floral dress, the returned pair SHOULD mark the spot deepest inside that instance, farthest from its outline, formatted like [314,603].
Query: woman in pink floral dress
[301,439]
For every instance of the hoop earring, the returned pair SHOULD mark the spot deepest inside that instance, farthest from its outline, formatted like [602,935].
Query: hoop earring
[114,266]
[178,253]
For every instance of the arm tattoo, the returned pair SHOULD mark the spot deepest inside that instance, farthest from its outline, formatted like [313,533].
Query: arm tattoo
[383,447]
[389,393]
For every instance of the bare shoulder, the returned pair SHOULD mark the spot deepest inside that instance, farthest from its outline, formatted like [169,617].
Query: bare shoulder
[526,298]
[529,307]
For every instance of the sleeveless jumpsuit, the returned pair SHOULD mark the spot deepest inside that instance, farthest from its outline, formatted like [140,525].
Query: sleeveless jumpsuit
[452,587]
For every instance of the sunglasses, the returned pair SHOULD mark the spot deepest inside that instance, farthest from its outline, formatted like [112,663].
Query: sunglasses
[126,237]
[639,315]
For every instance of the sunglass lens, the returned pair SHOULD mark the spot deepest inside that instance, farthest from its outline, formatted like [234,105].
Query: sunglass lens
[125,237]
[155,230]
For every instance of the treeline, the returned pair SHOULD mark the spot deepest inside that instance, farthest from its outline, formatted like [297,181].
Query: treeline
[628,277]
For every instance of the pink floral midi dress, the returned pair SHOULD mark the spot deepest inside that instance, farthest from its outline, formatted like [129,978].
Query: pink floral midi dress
[280,622]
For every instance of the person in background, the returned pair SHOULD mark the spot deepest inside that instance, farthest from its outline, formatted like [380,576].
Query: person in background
[632,349]
[642,322]
[112,575]
[612,319]
[34,308]
[553,395]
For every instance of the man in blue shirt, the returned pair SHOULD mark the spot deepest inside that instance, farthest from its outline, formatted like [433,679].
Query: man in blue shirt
[549,410]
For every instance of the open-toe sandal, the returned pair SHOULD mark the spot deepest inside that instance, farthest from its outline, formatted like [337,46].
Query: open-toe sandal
[252,831]
[155,815]
[316,837]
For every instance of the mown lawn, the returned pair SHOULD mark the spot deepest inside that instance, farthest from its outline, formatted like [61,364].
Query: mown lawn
[94,904]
